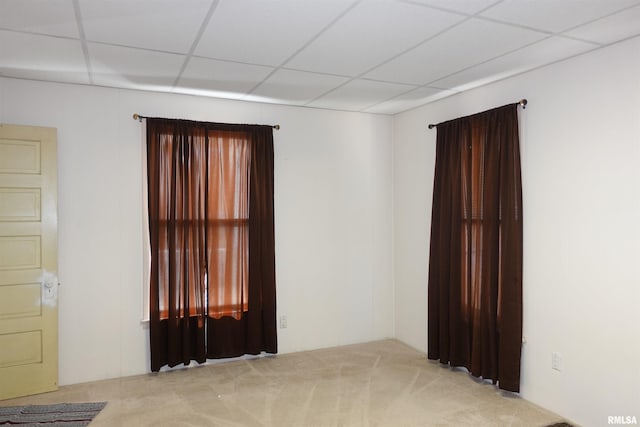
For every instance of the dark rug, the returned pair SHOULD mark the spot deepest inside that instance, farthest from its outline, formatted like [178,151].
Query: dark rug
[59,415]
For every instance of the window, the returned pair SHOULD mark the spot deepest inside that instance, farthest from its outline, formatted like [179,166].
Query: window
[475,260]
[210,193]
[228,228]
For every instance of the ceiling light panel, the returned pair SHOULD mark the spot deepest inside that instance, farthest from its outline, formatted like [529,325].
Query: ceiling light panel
[52,17]
[370,34]
[163,25]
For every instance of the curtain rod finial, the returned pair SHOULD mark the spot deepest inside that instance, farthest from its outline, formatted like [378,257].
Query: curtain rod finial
[276,127]
[431,126]
[136,116]
[523,103]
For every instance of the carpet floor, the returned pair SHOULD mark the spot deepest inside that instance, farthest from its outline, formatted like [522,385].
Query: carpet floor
[382,383]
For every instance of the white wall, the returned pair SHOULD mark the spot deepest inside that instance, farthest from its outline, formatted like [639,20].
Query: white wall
[333,219]
[580,145]
[339,197]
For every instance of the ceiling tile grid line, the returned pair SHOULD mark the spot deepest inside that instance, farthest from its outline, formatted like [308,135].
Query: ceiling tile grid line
[564,32]
[365,72]
[369,34]
[405,1]
[448,9]
[598,19]
[550,34]
[194,44]
[532,68]
[556,16]
[380,56]
[477,15]
[438,82]
[36,33]
[454,91]
[429,84]
[83,40]
[612,29]
[304,46]
[426,40]
[375,104]
[391,59]
[494,58]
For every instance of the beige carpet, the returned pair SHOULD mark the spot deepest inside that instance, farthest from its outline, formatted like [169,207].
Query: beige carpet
[384,383]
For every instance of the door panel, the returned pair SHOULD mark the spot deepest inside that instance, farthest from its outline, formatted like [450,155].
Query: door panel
[28,261]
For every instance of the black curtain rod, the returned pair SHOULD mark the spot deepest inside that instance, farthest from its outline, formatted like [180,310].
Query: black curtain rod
[138,117]
[522,102]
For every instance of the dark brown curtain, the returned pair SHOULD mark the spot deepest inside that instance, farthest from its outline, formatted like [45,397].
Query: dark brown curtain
[475,261]
[211,226]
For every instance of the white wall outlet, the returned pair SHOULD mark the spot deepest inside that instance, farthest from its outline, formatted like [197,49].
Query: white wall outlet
[556,361]
[283,322]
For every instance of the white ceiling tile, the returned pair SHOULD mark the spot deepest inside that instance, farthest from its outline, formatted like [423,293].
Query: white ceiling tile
[359,94]
[265,32]
[470,43]
[133,68]
[221,77]
[463,6]
[42,58]
[416,45]
[53,17]
[165,25]
[541,53]
[554,15]
[612,28]
[295,87]
[409,100]
[369,34]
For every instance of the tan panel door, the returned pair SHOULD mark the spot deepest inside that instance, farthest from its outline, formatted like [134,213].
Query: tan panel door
[28,261]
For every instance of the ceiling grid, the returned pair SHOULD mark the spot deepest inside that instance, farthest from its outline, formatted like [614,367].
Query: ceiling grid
[378,56]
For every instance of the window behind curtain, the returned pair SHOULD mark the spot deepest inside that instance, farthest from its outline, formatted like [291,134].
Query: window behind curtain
[475,221]
[212,200]
[475,260]
[229,158]
[211,232]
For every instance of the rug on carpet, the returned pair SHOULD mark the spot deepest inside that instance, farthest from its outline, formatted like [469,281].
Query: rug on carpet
[59,415]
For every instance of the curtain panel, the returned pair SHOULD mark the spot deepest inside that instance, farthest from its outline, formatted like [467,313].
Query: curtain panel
[475,261]
[211,227]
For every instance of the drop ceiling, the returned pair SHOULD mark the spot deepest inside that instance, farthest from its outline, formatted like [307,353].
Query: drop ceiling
[378,56]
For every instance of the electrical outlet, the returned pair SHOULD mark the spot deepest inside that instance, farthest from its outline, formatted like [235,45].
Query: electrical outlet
[556,361]
[283,322]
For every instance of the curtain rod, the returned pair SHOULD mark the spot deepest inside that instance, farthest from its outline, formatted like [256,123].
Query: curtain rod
[139,118]
[522,102]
